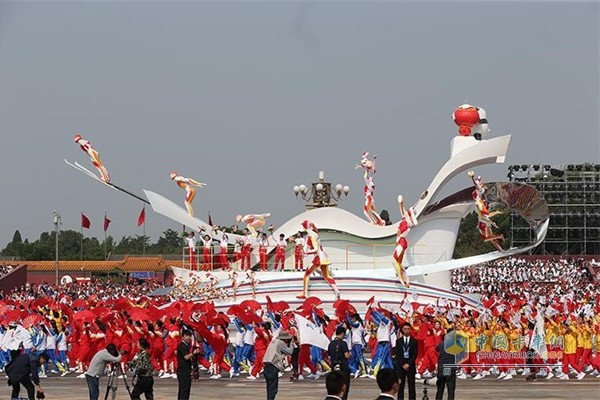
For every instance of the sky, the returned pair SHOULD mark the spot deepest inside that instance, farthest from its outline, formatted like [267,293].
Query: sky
[256,97]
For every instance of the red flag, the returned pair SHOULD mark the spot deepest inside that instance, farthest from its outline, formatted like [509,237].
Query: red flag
[142,217]
[106,222]
[85,221]
[209,220]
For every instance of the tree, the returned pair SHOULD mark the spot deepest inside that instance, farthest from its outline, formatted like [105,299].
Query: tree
[168,243]
[15,247]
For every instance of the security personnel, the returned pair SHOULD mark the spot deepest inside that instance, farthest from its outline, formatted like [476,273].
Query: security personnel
[339,354]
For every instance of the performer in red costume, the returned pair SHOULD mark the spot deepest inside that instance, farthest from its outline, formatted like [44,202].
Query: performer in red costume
[206,253]
[320,260]
[369,190]
[191,244]
[246,247]
[406,223]
[281,245]
[263,245]
[484,221]
[299,242]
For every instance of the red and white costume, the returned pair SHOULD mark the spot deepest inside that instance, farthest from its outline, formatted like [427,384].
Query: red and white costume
[245,256]
[263,245]
[369,190]
[484,221]
[94,155]
[187,184]
[191,244]
[206,253]
[299,243]
[253,221]
[281,245]
[406,223]
[223,248]
[320,260]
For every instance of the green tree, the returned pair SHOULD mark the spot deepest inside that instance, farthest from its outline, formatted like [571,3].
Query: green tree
[15,247]
[168,243]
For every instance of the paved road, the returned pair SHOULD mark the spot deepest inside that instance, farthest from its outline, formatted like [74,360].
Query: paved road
[489,389]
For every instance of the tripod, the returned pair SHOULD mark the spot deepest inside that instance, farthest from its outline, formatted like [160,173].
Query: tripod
[113,382]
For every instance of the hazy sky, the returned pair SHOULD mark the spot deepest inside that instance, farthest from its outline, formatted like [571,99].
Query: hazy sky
[254,97]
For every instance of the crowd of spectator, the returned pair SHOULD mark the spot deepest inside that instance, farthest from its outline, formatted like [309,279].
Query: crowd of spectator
[514,274]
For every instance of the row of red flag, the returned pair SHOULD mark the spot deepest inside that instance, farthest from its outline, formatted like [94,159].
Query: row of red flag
[86,223]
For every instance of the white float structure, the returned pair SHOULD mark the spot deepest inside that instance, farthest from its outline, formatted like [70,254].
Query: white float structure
[361,252]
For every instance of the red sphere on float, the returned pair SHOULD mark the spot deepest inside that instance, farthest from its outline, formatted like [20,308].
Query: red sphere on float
[466,117]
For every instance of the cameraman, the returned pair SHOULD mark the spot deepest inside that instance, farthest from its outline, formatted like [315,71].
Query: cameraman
[276,352]
[143,371]
[339,354]
[97,366]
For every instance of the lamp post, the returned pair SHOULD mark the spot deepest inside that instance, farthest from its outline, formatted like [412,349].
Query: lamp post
[57,222]
[321,193]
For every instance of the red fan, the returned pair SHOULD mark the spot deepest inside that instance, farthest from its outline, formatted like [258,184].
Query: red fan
[415,305]
[100,311]
[31,320]
[80,303]
[84,316]
[12,315]
[251,304]
[139,314]
[250,319]
[41,302]
[235,310]
[281,306]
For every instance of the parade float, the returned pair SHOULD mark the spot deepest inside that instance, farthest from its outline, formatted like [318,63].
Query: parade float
[353,258]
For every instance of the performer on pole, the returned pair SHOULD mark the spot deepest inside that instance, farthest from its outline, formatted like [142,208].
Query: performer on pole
[188,185]
[406,223]
[484,221]
[95,157]
[369,208]
[320,260]
[253,221]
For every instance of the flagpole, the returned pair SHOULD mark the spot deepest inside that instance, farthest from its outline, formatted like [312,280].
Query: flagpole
[81,244]
[105,236]
[144,234]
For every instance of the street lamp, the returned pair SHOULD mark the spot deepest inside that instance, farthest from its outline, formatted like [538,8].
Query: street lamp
[321,193]
[57,222]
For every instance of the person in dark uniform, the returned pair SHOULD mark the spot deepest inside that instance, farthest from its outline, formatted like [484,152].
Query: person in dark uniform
[184,365]
[143,371]
[387,380]
[339,354]
[446,375]
[22,370]
[335,383]
[405,358]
